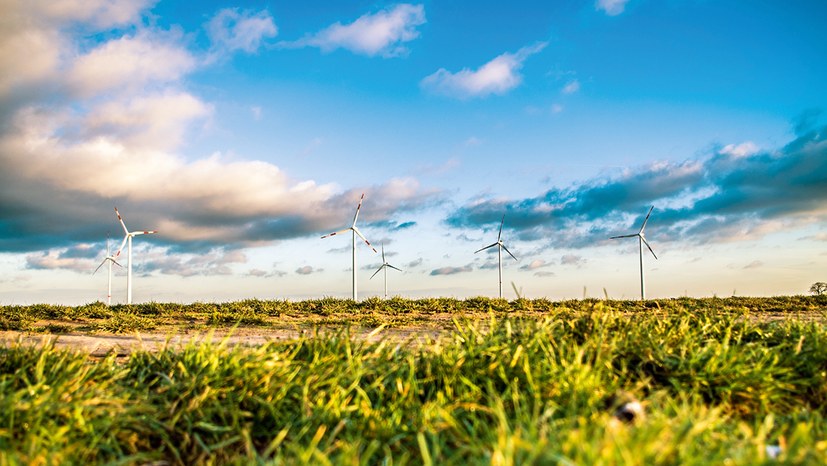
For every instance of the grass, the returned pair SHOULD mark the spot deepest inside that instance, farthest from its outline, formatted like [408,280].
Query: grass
[521,383]
[434,313]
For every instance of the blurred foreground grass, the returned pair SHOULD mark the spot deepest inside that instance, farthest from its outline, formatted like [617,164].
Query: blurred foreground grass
[523,382]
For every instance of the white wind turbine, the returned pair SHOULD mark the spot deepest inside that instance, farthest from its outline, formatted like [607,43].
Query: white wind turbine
[500,247]
[355,231]
[127,239]
[385,265]
[111,259]
[641,241]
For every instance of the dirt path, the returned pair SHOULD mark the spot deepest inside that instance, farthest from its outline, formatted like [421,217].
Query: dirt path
[100,345]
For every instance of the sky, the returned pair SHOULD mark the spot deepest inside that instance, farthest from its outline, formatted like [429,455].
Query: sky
[243,132]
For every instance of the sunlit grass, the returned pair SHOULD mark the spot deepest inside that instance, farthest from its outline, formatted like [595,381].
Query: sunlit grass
[507,387]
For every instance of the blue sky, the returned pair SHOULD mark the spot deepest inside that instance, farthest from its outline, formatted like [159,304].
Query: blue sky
[245,131]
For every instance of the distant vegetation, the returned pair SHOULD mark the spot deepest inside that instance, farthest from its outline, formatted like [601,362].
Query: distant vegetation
[524,382]
[373,312]
[818,288]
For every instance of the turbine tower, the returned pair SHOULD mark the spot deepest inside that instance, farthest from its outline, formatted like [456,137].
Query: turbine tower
[354,231]
[385,265]
[641,241]
[500,247]
[127,239]
[111,259]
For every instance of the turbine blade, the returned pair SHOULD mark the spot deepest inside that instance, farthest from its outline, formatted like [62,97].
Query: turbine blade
[377,271]
[336,233]
[489,246]
[646,219]
[101,265]
[383,254]
[115,262]
[509,253]
[650,247]
[499,235]
[394,268]
[123,243]
[358,208]
[624,236]
[145,232]
[364,239]
[120,219]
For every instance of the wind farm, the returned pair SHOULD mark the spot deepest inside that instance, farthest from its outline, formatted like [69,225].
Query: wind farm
[354,232]
[245,332]
[127,241]
[109,259]
[500,247]
[384,267]
[641,241]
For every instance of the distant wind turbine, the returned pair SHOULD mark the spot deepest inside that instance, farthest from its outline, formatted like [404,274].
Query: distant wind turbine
[500,247]
[127,239]
[641,241]
[385,265]
[355,231]
[111,259]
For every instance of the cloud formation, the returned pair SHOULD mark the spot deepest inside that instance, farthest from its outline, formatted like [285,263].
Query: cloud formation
[498,76]
[307,270]
[731,195]
[106,127]
[611,7]
[383,33]
[233,30]
[451,270]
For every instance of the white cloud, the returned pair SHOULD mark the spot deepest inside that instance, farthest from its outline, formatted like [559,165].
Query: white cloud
[611,7]
[231,30]
[101,13]
[571,87]
[383,33]
[557,108]
[498,76]
[129,63]
[745,149]
[71,157]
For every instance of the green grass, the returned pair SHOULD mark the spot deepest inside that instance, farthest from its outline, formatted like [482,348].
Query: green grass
[435,313]
[511,386]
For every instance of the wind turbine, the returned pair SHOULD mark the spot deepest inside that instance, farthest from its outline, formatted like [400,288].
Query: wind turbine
[355,231]
[641,241]
[127,239]
[500,247]
[385,265]
[111,259]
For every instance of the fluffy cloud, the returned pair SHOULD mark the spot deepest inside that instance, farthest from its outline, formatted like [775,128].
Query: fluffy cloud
[498,76]
[382,33]
[129,63]
[611,7]
[217,261]
[232,30]
[109,132]
[731,195]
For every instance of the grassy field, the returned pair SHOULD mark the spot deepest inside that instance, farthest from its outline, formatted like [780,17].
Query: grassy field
[520,382]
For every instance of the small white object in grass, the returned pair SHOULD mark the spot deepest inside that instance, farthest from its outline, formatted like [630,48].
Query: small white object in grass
[773,451]
[630,412]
